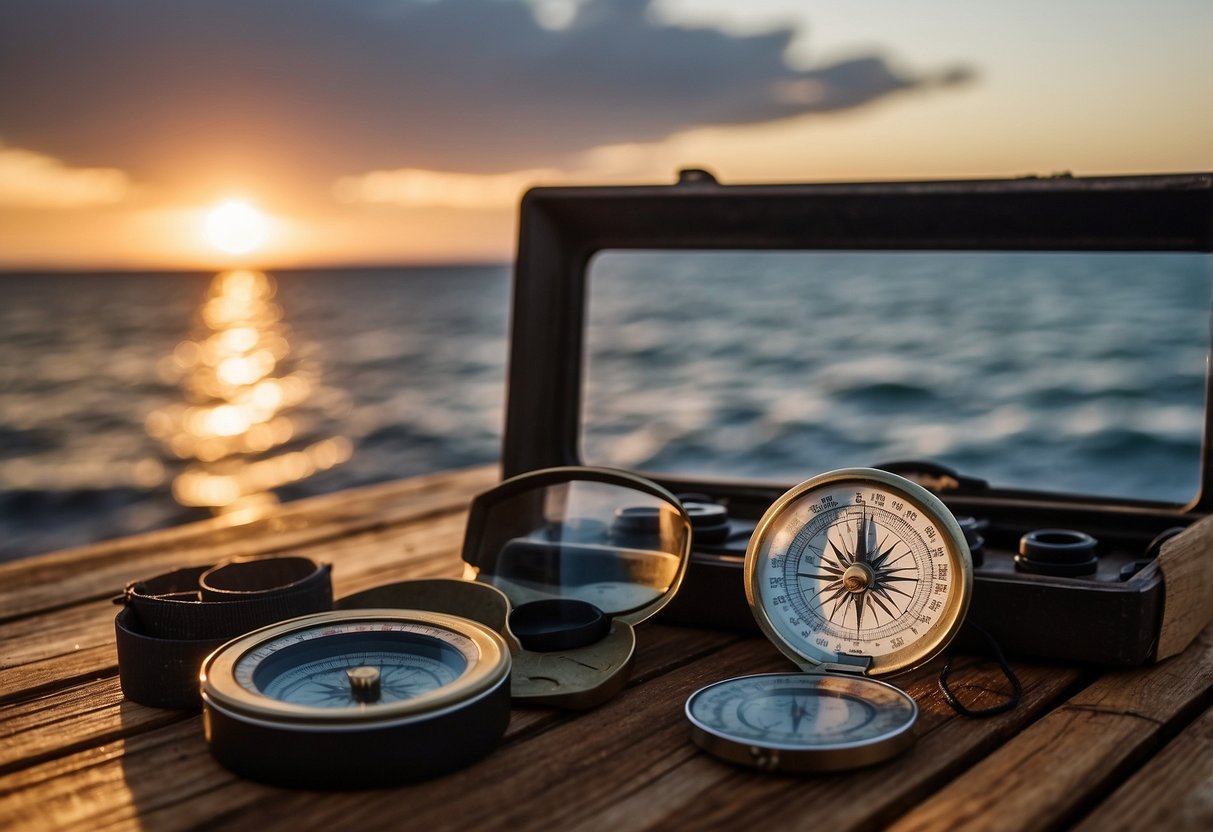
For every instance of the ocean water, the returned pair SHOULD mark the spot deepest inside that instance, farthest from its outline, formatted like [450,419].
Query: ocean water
[135,401]
[1081,373]
[115,395]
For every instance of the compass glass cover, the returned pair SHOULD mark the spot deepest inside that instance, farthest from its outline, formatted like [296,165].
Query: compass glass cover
[801,710]
[859,563]
[313,671]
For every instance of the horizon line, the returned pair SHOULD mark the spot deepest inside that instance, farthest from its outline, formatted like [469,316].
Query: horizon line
[9,271]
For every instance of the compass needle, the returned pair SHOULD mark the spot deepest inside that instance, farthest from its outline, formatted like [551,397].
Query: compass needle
[861,539]
[829,577]
[843,558]
[875,600]
[832,567]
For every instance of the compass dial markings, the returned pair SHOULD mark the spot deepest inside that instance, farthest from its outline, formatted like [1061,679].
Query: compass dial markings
[855,549]
[856,568]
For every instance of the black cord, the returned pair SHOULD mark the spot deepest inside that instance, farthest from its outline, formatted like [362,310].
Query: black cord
[997,655]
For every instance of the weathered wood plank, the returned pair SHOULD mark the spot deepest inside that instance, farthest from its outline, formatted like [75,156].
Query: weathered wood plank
[65,646]
[63,721]
[109,770]
[77,718]
[631,765]
[74,755]
[100,786]
[1173,791]
[53,581]
[1060,766]
[627,762]
[1187,571]
[699,793]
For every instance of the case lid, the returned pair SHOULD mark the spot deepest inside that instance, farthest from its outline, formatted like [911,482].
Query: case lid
[594,535]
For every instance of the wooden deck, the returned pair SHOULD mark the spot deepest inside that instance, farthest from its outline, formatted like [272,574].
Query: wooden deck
[1096,750]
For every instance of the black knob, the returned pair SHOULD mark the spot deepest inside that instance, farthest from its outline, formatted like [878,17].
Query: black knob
[1061,552]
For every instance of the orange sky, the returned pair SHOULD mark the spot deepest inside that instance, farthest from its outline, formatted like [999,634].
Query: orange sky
[373,137]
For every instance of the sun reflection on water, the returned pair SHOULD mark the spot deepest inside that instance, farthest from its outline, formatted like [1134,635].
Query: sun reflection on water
[235,426]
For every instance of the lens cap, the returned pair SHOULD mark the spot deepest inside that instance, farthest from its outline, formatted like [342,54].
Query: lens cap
[1061,552]
[558,624]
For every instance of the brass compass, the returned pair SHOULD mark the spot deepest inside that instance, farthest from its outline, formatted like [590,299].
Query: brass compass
[853,574]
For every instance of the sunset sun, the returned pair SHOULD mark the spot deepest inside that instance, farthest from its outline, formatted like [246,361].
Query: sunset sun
[235,227]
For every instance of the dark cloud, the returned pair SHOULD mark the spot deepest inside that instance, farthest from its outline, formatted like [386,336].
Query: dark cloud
[341,86]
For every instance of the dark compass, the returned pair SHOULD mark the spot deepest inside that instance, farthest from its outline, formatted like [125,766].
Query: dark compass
[356,698]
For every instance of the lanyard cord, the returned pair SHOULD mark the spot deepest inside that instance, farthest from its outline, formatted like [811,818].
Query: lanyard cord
[995,653]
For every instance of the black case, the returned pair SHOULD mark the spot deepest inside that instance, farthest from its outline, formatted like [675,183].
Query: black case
[1103,619]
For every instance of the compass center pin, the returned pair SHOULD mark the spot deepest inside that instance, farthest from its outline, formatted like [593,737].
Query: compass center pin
[858,577]
[364,683]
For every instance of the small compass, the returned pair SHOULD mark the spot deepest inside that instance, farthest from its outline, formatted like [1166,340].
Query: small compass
[853,574]
[802,722]
[356,698]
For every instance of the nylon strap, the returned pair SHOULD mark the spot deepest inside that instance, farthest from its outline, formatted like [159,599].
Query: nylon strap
[171,622]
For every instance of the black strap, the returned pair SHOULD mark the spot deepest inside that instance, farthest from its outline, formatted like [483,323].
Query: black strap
[171,622]
[995,653]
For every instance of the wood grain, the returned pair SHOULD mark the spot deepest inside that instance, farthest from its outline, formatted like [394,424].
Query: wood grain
[1110,750]
[73,719]
[69,719]
[1062,764]
[54,581]
[1173,791]
[110,771]
[77,643]
[629,763]
[1186,563]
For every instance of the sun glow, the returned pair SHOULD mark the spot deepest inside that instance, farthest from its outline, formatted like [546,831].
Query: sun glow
[235,227]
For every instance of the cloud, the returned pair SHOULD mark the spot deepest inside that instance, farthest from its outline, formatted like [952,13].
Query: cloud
[333,87]
[413,187]
[32,180]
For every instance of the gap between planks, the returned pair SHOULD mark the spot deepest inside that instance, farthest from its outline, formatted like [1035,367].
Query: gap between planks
[1063,765]
[48,793]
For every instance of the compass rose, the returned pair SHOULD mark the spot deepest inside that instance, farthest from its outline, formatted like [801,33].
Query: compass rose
[861,570]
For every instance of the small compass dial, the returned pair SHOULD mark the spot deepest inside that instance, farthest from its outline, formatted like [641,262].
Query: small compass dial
[795,710]
[304,669]
[355,665]
[859,563]
[801,721]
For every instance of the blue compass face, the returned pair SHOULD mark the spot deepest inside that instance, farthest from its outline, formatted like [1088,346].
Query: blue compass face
[323,667]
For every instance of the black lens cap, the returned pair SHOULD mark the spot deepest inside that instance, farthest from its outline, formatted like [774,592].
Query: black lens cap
[558,624]
[1061,552]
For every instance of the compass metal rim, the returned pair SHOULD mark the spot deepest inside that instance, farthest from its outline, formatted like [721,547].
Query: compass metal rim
[803,757]
[379,722]
[919,651]
[488,664]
